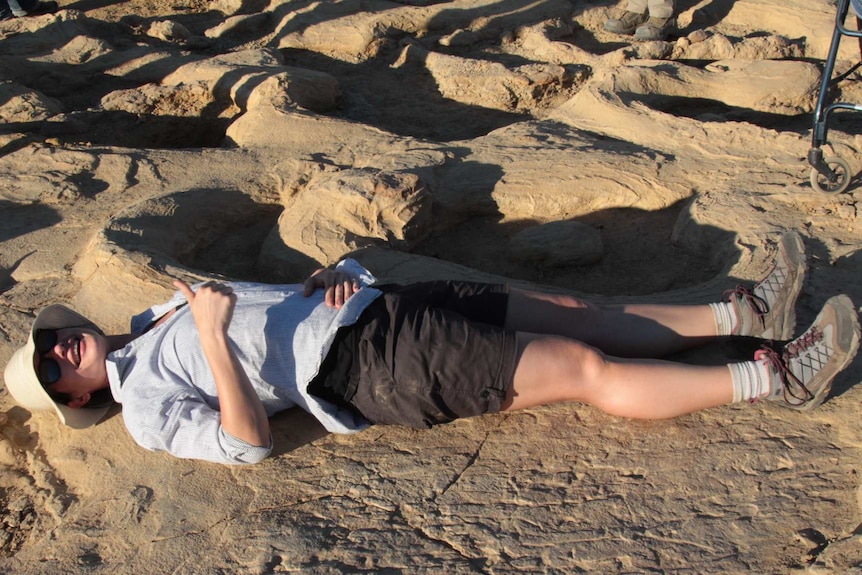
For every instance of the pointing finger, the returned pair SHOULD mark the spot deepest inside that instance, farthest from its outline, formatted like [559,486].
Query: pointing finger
[184,289]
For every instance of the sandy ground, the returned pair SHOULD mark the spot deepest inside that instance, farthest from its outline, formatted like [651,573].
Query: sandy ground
[151,139]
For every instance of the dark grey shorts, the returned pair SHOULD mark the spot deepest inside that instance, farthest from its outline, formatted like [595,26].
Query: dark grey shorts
[423,354]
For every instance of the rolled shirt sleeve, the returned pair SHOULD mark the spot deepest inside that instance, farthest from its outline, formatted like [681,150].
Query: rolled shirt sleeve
[186,427]
[242,452]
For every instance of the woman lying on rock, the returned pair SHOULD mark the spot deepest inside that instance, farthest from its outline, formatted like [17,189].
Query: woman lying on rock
[200,375]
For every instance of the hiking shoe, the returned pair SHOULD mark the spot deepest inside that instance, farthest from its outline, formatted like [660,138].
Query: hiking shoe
[626,24]
[768,310]
[803,371]
[46,7]
[654,29]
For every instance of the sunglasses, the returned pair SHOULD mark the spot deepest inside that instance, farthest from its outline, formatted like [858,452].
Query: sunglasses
[48,370]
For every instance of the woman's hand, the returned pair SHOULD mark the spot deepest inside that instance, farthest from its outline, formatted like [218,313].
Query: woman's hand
[339,286]
[212,305]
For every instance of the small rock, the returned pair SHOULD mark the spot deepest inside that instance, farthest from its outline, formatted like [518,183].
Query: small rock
[698,36]
[558,244]
[169,31]
[847,212]
[227,6]
[18,504]
[460,38]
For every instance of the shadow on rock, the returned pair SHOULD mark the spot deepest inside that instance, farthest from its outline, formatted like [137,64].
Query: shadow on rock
[294,428]
[19,220]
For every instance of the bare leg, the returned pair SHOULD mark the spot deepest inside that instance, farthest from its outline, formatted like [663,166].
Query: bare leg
[638,330]
[553,369]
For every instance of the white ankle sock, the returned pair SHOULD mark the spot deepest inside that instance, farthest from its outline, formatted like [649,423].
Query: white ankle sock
[751,380]
[725,318]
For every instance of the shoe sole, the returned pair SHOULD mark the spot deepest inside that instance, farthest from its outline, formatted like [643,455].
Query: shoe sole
[661,34]
[846,342]
[793,249]
[650,37]
[621,31]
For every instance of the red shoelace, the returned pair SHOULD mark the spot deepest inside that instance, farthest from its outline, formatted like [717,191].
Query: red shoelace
[778,362]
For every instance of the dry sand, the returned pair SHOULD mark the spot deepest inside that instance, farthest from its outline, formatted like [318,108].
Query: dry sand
[153,139]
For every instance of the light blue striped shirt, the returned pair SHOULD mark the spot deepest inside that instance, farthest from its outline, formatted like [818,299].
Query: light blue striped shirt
[280,337]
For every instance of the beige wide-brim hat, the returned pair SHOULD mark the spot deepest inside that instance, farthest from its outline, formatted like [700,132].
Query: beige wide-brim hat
[24,385]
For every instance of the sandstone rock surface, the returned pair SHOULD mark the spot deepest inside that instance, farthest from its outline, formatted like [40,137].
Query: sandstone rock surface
[557,244]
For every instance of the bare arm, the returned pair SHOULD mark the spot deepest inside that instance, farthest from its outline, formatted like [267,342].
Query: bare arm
[242,413]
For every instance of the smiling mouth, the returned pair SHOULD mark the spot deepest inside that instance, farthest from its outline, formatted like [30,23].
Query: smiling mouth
[76,352]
